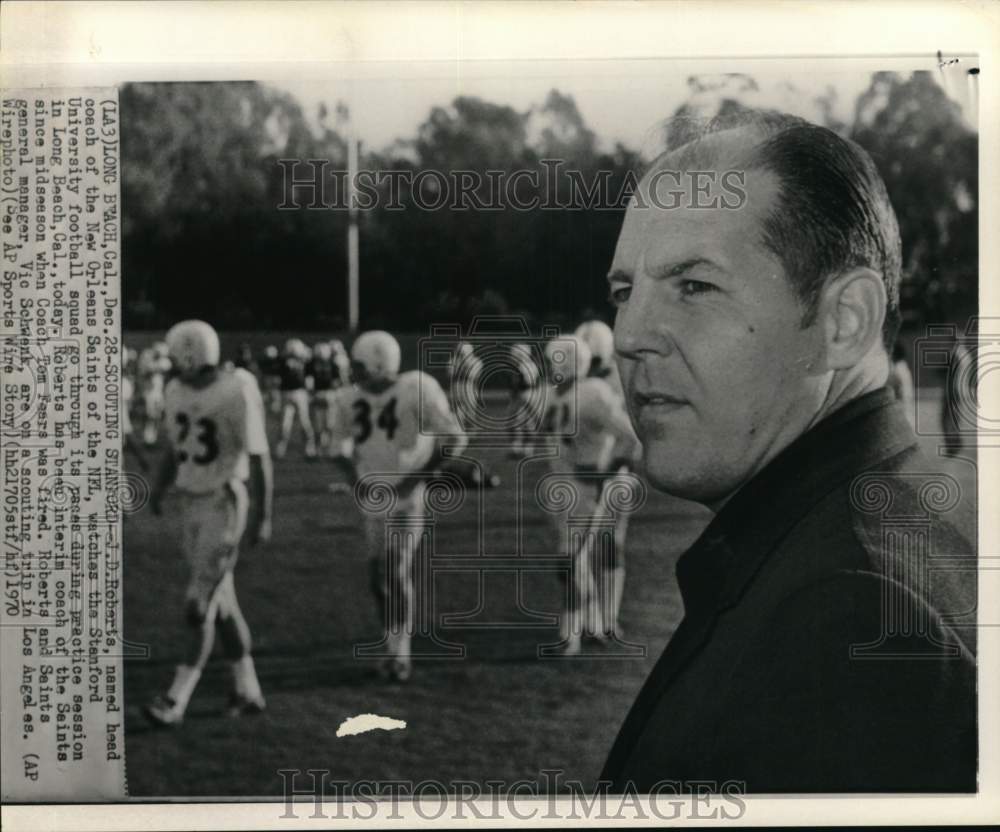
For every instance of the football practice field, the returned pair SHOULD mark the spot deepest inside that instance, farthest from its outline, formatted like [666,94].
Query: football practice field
[497,713]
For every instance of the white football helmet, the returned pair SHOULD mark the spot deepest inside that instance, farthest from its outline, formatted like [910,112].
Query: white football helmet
[296,347]
[323,350]
[193,345]
[567,359]
[598,336]
[376,354]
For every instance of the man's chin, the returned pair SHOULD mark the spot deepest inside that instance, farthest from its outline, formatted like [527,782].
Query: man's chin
[699,483]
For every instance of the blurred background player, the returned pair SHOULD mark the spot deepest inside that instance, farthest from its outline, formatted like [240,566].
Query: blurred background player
[129,441]
[270,373]
[595,433]
[600,340]
[394,425]
[609,576]
[342,361]
[525,400]
[152,369]
[215,425]
[324,379]
[295,398]
[245,360]
[464,371]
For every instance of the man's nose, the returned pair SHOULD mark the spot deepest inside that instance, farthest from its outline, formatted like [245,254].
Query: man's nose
[642,326]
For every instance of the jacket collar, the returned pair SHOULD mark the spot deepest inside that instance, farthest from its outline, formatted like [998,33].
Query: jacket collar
[714,572]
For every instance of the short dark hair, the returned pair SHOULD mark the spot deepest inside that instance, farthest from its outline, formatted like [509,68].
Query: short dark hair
[832,213]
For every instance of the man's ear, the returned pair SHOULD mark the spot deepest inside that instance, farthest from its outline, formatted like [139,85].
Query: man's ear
[852,311]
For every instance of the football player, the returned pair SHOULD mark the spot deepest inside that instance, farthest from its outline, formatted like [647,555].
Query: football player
[295,398]
[394,425]
[325,379]
[525,398]
[153,368]
[595,437]
[342,361]
[464,370]
[215,424]
[270,370]
[609,577]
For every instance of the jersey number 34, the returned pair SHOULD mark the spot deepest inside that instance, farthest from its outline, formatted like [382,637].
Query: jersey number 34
[363,419]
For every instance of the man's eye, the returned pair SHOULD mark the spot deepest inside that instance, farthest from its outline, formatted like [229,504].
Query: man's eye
[696,287]
[619,294]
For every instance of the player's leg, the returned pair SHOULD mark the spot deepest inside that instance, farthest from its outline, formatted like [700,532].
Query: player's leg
[401,551]
[615,575]
[577,541]
[288,411]
[374,533]
[199,515]
[150,428]
[234,633]
[301,398]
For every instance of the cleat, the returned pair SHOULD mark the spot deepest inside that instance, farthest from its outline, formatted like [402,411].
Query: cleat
[394,670]
[572,647]
[399,670]
[310,450]
[245,706]
[163,711]
[281,449]
[340,488]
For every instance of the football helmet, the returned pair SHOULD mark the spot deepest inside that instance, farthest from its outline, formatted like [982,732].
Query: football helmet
[323,350]
[295,347]
[193,345]
[567,359]
[598,336]
[375,356]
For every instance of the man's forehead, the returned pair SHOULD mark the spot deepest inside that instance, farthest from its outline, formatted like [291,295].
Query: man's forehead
[670,226]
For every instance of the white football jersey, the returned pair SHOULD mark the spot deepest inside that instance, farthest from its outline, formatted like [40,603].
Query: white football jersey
[393,431]
[208,432]
[590,420]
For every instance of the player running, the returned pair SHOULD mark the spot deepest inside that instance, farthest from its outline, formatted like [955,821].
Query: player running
[393,425]
[215,424]
[295,398]
[595,437]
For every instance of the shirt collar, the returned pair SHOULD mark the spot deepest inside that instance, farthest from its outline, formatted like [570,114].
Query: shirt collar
[865,431]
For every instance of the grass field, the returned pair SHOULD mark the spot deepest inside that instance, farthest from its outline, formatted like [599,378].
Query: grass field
[498,713]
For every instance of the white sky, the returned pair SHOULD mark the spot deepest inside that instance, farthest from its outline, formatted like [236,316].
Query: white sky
[622,101]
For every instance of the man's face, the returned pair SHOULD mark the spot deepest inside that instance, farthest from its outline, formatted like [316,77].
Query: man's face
[718,373]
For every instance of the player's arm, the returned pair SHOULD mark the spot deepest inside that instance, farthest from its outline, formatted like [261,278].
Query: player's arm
[341,440]
[438,420]
[261,496]
[250,425]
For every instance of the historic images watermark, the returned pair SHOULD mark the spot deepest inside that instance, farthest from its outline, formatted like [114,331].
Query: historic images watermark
[314,185]
[313,794]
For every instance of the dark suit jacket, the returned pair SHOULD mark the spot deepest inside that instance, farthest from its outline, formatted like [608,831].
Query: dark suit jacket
[823,646]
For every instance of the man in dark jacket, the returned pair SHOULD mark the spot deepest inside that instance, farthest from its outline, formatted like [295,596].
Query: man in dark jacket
[827,643]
